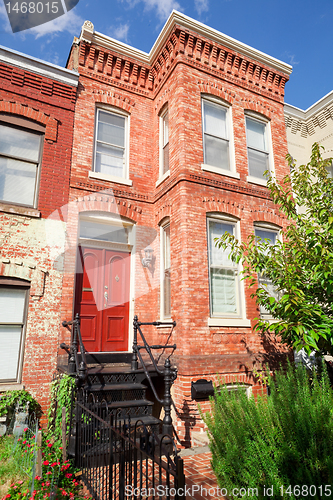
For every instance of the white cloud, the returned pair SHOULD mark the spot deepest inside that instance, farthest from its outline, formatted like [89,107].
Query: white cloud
[201,6]
[163,7]
[291,58]
[119,32]
[68,22]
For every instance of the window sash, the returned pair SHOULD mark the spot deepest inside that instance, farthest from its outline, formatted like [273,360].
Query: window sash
[166,277]
[12,314]
[110,147]
[215,135]
[20,152]
[257,147]
[223,273]
[164,143]
[271,236]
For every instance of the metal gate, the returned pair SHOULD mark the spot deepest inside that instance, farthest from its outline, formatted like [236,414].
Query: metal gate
[119,460]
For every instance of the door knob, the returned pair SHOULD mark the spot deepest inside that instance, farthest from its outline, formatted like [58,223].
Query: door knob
[106,298]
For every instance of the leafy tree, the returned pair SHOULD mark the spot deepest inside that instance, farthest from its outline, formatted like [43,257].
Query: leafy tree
[300,265]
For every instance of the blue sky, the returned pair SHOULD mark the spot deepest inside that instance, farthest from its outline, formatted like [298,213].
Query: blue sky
[298,32]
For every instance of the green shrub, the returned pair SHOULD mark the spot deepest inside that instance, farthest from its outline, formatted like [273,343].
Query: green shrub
[9,399]
[277,441]
[61,397]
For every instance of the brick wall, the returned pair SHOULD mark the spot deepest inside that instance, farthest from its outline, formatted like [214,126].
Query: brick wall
[187,66]
[32,238]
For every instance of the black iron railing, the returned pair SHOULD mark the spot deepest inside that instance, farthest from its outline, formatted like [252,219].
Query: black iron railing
[169,373]
[121,461]
[75,366]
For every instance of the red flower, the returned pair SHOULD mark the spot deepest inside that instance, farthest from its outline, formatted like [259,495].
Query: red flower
[68,475]
[25,430]
[64,493]
[38,478]
[49,445]
[46,462]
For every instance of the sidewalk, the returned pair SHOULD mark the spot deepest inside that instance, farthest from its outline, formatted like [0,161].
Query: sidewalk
[199,474]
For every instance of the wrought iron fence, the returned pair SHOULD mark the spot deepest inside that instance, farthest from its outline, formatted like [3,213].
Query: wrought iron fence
[119,460]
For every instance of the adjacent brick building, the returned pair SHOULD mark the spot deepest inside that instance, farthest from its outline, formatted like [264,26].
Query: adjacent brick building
[37,102]
[169,152]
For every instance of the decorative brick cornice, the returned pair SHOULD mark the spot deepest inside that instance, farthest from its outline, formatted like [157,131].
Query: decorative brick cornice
[20,78]
[107,57]
[51,124]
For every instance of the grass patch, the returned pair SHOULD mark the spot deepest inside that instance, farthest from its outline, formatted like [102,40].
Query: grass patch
[10,470]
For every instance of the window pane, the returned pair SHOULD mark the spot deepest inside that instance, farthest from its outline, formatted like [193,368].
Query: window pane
[218,256]
[216,152]
[258,163]
[166,231]
[17,181]
[266,235]
[223,291]
[256,137]
[12,305]
[16,142]
[165,129]
[10,342]
[165,158]
[215,122]
[167,294]
[105,232]
[111,129]
[109,160]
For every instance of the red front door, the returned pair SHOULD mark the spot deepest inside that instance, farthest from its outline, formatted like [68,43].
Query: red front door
[102,298]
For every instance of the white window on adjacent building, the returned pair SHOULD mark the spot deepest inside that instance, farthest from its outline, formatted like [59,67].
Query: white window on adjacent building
[20,157]
[111,146]
[226,292]
[330,171]
[165,271]
[269,235]
[258,149]
[13,301]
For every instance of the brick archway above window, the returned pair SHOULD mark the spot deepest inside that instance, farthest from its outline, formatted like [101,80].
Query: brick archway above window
[225,95]
[27,271]
[51,124]
[116,101]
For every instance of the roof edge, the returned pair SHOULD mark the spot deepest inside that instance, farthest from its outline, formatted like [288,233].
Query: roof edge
[29,63]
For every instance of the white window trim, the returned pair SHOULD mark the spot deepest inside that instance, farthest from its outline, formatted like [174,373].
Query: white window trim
[163,226]
[116,220]
[163,176]
[268,134]
[230,133]
[99,175]
[277,230]
[15,383]
[226,320]
[25,127]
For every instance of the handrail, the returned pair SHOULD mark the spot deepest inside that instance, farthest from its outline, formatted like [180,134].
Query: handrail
[170,374]
[75,367]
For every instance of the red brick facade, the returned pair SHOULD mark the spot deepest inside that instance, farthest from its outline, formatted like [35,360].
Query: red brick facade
[34,97]
[188,62]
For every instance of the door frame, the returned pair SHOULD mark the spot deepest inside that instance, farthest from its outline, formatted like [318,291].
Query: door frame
[115,220]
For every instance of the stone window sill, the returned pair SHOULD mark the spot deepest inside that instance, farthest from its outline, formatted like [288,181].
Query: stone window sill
[220,171]
[110,178]
[19,210]
[235,322]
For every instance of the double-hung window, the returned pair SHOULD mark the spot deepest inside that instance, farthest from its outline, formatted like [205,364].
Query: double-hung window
[111,145]
[12,322]
[215,135]
[270,236]
[257,136]
[20,157]
[165,271]
[223,272]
